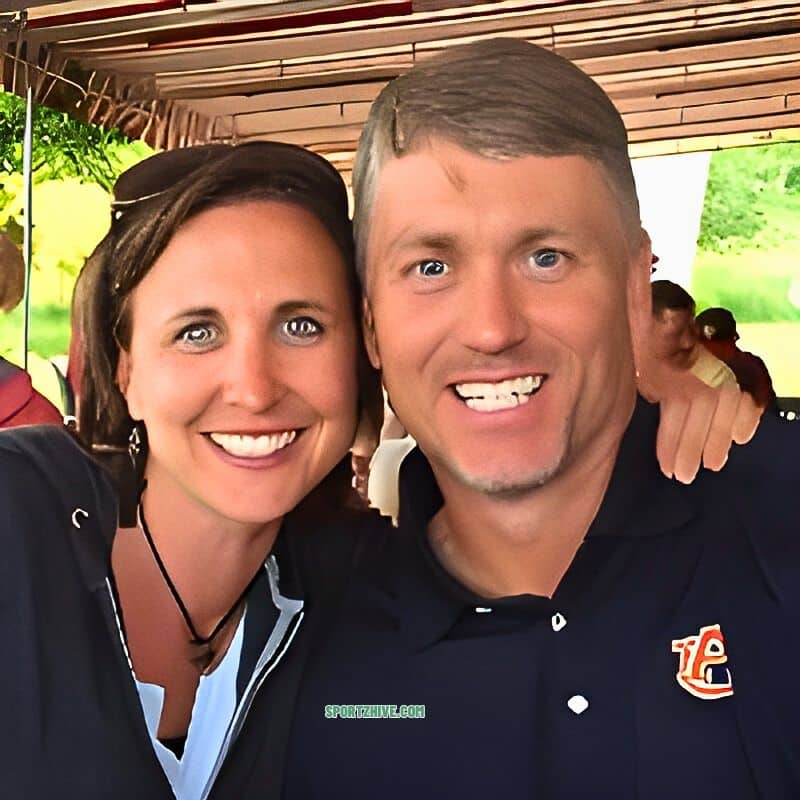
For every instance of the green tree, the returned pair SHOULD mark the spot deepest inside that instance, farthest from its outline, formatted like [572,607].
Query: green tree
[62,146]
[742,184]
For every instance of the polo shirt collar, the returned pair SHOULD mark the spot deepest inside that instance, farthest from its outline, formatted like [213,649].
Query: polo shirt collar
[639,502]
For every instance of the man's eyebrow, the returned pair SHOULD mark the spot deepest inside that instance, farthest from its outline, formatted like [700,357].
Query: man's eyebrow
[533,235]
[423,240]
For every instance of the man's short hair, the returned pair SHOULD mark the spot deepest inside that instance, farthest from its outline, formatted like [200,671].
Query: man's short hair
[12,274]
[498,98]
[669,295]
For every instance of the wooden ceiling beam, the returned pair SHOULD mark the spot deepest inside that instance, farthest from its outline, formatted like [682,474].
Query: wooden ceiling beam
[790,119]
[648,102]
[752,75]
[240,105]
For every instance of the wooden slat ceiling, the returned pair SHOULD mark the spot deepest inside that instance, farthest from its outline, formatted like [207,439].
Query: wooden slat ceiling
[183,71]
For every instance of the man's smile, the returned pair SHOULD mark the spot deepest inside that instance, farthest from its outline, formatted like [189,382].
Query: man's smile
[499,395]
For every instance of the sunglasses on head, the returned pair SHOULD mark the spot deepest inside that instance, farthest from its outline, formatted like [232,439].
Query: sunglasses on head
[157,174]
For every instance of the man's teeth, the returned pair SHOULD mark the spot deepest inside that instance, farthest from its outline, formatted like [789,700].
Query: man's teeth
[253,446]
[500,395]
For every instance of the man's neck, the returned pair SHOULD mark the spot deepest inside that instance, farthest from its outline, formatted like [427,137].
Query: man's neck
[500,546]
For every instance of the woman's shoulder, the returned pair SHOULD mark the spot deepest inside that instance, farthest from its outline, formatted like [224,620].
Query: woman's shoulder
[50,449]
[33,441]
[47,460]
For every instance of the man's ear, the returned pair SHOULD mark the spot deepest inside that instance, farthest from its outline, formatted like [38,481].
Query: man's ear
[370,339]
[640,301]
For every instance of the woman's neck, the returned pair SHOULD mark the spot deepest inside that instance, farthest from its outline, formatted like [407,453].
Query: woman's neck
[209,558]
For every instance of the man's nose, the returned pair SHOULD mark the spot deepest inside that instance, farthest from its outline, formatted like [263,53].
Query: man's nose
[688,339]
[253,375]
[493,317]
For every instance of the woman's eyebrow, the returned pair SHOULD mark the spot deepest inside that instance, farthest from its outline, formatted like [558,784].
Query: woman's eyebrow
[293,306]
[193,313]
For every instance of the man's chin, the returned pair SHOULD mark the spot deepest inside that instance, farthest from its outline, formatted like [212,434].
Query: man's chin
[504,484]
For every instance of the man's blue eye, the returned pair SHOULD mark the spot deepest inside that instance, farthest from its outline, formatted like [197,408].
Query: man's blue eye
[546,258]
[432,268]
[302,327]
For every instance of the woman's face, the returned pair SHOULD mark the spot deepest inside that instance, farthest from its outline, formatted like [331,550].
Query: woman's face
[242,360]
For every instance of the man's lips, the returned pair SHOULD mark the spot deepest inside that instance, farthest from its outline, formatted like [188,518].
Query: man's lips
[488,396]
[253,445]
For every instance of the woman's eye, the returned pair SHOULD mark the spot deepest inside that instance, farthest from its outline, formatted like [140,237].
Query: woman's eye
[198,336]
[546,259]
[432,268]
[304,328]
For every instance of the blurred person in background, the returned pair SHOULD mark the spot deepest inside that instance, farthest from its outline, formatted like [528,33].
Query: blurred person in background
[673,336]
[20,403]
[716,330]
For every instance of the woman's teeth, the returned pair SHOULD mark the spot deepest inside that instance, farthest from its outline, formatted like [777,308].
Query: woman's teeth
[501,395]
[252,446]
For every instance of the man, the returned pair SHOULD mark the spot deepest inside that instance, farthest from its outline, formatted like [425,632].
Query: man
[20,403]
[553,618]
[716,328]
[673,335]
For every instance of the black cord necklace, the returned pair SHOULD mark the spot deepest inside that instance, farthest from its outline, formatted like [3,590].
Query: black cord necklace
[196,639]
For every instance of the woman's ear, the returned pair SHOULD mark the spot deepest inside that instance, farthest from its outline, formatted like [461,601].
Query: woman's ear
[124,371]
[370,339]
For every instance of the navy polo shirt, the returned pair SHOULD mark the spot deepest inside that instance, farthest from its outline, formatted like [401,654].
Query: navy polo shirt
[421,688]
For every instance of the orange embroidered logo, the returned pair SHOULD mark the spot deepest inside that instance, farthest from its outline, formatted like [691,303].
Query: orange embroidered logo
[701,665]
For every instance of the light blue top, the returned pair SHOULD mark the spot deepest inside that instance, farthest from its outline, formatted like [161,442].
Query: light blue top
[217,719]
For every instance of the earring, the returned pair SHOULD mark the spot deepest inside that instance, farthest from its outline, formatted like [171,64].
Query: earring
[135,444]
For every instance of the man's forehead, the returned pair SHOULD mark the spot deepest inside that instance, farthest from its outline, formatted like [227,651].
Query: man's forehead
[428,191]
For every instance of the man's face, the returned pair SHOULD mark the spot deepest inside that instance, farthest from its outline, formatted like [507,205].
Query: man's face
[498,298]
[673,337]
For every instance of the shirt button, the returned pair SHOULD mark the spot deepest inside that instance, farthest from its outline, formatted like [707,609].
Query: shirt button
[577,704]
[558,621]
[482,610]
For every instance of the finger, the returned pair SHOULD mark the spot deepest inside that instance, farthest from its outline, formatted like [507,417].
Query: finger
[673,413]
[694,435]
[720,433]
[748,416]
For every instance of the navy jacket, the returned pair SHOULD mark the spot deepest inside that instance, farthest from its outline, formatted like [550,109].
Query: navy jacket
[72,725]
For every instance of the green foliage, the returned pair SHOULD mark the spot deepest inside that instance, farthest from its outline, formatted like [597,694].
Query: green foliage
[752,267]
[62,146]
[75,166]
[742,186]
[792,182]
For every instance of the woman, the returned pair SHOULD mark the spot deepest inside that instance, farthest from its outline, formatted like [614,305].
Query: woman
[221,342]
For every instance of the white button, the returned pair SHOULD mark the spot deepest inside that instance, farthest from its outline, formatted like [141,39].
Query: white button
[578,703]
[482,610]
[558,621]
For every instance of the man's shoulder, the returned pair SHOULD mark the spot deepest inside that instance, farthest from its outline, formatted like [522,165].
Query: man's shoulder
[772,455]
